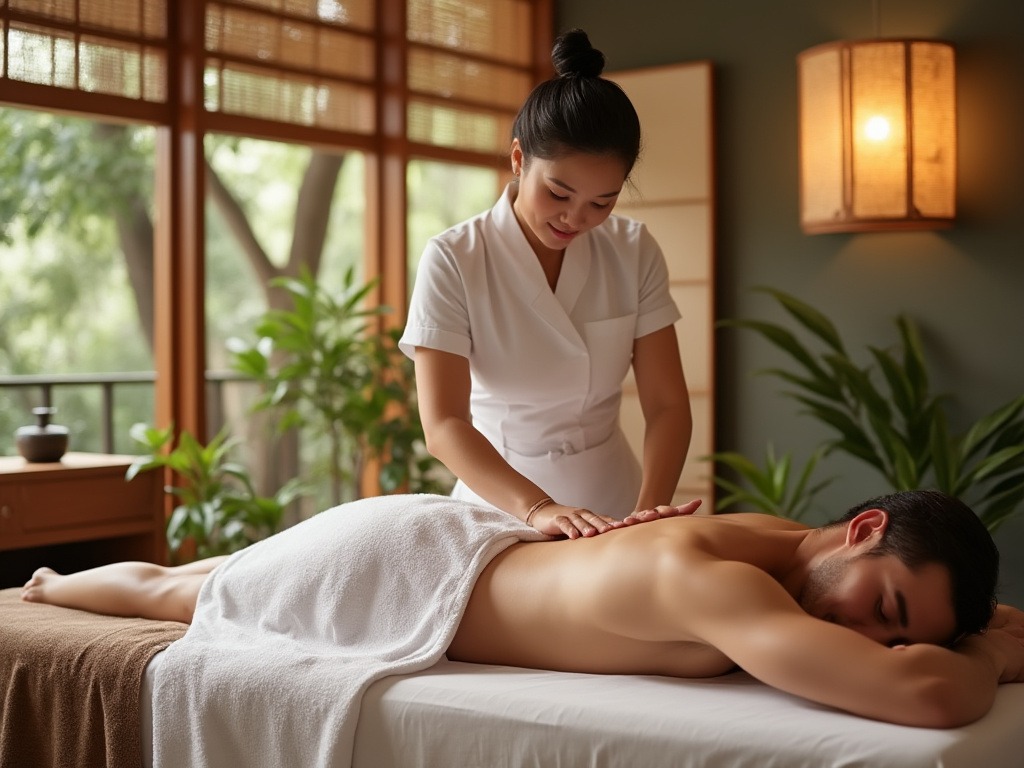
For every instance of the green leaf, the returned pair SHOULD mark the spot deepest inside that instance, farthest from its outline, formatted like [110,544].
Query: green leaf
[945,456]
[809,317]
[900,386]
[1002,505]
[837,418]
[913,358]
[863,451]
[782,339]
[990,425]
[997,463]
[859,384]
[827,388]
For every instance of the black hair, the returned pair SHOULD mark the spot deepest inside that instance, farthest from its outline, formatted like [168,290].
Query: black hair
[933,527]
[578,110]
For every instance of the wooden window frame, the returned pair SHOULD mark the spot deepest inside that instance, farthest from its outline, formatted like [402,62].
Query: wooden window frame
[181,125]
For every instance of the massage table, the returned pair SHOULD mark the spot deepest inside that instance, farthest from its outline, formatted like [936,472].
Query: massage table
[88,690]
[459,715]
[455,714]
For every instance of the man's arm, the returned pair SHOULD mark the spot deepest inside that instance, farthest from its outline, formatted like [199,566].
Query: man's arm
[750,618]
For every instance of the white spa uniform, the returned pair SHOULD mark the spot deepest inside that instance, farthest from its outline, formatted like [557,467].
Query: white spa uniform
[547,367]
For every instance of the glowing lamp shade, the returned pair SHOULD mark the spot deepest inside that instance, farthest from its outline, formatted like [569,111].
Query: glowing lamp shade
[877,136]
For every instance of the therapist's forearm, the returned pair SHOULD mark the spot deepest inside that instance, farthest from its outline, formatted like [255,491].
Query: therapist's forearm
[471,457]
[666,444]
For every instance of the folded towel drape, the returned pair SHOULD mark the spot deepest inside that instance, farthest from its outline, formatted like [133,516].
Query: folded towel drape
[290,632]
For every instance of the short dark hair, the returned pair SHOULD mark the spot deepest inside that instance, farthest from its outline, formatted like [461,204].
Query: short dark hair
[934,527]
[578,110]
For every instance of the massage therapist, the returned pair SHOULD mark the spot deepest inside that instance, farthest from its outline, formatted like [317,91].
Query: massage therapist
[524,321]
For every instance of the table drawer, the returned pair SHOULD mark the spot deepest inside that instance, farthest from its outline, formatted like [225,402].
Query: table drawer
[83,501]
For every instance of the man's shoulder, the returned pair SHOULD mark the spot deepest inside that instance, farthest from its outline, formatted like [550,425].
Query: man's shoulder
[762,520]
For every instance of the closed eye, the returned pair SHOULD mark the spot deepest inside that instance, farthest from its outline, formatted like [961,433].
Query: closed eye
[560,198]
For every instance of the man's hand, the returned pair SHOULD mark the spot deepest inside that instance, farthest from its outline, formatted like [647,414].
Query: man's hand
[1006,633]
[1002,642]
[576,522]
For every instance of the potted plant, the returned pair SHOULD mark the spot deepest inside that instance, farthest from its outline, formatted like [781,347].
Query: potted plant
[328,371]
[777,489]
[219,510]
[885,413]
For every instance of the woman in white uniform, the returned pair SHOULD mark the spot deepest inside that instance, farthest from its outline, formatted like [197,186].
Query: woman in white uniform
[524,321]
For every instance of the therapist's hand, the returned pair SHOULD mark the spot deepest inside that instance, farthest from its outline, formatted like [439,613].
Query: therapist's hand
[572,522]
[664,510]
[576,522]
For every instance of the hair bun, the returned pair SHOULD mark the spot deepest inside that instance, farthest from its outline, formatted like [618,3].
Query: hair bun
[574,56]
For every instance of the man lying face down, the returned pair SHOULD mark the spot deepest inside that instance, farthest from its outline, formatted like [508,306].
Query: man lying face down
[888,613]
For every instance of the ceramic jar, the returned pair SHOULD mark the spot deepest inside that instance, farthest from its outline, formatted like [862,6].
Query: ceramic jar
[42,442]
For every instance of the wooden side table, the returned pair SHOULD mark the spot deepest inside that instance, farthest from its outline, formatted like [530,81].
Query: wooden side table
[77,513]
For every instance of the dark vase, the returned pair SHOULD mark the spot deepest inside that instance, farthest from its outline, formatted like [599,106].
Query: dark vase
[44,441]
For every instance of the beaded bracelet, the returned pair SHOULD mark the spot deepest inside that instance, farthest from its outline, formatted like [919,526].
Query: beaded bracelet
[537,507]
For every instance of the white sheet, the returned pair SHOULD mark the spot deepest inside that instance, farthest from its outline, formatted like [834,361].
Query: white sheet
[288,632]
[459,715]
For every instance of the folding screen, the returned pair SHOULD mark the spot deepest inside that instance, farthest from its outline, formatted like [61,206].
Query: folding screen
[672,192]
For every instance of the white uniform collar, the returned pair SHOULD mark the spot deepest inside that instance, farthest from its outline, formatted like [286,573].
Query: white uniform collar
[575,265]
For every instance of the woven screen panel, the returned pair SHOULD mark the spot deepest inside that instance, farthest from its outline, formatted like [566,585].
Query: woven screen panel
[237,89]
[292,68]
[269,41]
[444,125]
[57,10]
[112,47]
[129,16]
[351,13]
[494,29]
[441,74]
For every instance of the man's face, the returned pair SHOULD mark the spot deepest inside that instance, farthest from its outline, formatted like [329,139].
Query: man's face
[882,599]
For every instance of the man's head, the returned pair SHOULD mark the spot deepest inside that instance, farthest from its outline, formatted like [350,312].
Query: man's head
[923,529]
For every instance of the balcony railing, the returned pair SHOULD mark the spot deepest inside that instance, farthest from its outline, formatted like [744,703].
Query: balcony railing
[109,384]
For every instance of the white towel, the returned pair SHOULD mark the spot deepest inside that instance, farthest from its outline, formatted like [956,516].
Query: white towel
[290,632]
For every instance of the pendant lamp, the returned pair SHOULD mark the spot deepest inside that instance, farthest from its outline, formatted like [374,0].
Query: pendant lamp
[877,135]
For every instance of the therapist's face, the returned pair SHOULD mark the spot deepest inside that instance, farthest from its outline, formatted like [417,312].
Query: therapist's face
[560,199]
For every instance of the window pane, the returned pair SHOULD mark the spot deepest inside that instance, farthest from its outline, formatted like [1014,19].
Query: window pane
[76,295]
[269,205]
[440,196]
[114,47]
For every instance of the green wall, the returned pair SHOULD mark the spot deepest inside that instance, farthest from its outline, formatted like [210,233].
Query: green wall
[964,287]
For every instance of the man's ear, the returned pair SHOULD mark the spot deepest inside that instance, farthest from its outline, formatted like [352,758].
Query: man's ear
[868,525]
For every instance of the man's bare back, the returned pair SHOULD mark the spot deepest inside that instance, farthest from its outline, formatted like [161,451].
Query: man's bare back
[539,604]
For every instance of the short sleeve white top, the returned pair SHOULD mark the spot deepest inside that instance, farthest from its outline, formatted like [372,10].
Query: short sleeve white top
[547,367]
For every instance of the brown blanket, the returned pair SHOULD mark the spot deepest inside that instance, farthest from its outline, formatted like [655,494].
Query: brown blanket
[71,683]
